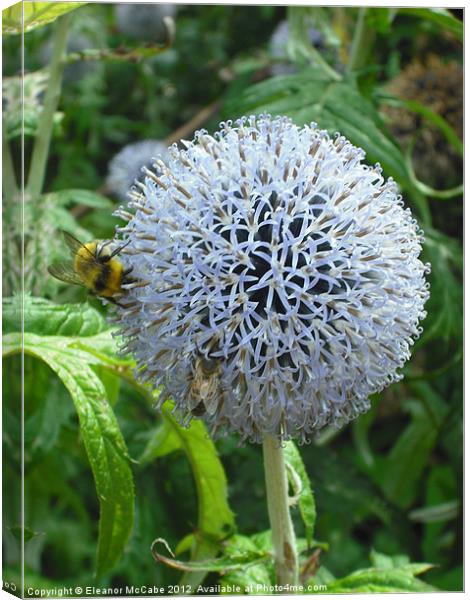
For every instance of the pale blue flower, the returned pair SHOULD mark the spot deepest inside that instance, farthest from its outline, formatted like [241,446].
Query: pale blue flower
[274,254]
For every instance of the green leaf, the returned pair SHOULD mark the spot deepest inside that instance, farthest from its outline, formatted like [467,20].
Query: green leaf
[83,197]
[215,519]
[383,561]
[26,16]
[306,498]
[380,19]
[399,579]
[46,411]
[450,581]
[312,96]
[46,318]
[360,433]
[440,16]
[444,306]
[232,562]
[442,491]
[104,444]
[261,573]
[163,440]
[401,473]
[29,534]
[257,574]
[349,495]
[447,511]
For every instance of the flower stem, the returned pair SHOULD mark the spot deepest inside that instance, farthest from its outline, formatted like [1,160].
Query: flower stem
[283,535]
[43,139]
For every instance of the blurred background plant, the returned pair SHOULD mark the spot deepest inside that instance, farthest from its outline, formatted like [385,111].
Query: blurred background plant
[388,488]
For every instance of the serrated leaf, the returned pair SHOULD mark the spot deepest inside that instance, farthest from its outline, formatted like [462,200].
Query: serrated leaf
[104,444]
[43,317]
[440,16]
[306,498]
[26,16]
[311,96]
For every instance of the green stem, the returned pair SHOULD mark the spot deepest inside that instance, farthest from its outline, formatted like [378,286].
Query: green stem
[283,535]
[10,187]
[363,39]
[43,139]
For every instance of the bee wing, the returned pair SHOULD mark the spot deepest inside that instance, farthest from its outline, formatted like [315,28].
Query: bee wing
[64,271]
[211,402]
[75,245]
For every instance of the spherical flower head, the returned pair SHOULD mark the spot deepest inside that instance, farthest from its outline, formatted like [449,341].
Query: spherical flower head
[277,280]
[125,168]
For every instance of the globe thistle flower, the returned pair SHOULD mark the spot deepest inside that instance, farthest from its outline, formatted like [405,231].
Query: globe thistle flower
[125,168]
[277,279]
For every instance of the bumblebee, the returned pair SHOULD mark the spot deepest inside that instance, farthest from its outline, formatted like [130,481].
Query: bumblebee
[204,390]
[94,266]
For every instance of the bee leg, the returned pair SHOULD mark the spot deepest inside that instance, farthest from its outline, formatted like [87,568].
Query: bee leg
[116,303]
[114,252]
[127,271]
[99,250]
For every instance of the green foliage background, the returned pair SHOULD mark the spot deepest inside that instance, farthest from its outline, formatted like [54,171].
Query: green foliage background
[105,475]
